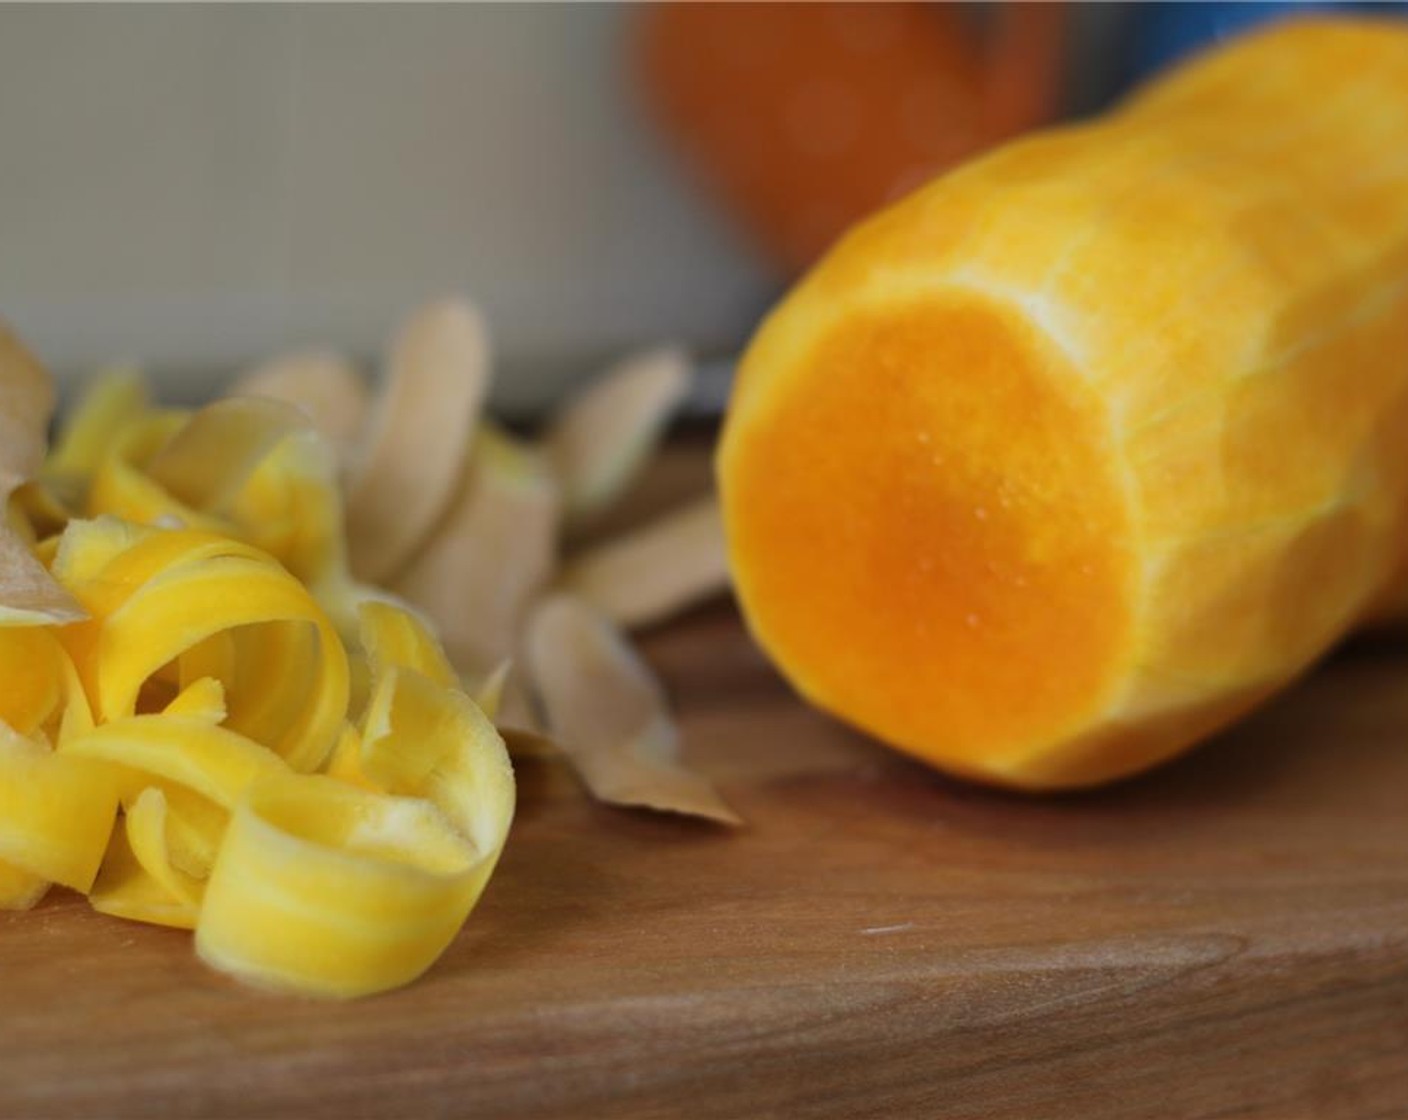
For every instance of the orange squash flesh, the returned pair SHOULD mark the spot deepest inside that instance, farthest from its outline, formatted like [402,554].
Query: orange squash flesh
[1068,459]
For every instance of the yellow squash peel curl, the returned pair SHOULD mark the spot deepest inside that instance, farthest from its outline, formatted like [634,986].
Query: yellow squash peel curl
[234,737]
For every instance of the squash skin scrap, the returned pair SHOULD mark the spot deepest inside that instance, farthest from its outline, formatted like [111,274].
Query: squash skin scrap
[166,593]
[56,812]
[29,668]
[344,886]
[188,728]
[340,883]
[1173,340]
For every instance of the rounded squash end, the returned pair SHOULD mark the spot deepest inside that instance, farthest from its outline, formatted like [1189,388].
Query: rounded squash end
[929,529]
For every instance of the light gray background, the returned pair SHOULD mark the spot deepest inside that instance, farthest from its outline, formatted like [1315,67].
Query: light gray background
[194,187]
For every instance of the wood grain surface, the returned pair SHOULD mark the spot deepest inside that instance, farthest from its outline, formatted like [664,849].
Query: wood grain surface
[1227,937]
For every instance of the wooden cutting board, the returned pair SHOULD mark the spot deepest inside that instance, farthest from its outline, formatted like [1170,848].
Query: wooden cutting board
[1226,937]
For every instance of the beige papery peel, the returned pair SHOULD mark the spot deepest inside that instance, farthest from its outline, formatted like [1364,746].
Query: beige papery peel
[324,385]
[496,551]
[605,434]
[610,714]
[498,508]
[493,551]
[650,573]
[27,593]
[418,436]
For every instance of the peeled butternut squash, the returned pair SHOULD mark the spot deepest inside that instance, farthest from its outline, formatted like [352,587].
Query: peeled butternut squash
[1068,459]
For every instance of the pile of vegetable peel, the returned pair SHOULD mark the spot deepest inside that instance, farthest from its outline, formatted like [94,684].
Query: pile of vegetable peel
[252,656]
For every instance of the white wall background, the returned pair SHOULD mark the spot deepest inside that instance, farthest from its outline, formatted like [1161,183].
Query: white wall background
[195,187]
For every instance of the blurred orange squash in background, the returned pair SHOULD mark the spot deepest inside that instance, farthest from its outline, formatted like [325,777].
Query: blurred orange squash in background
[806,117]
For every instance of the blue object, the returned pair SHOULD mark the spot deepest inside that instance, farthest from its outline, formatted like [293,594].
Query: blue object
[1166,32]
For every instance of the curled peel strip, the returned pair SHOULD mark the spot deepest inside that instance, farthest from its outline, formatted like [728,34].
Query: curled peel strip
[29,668]
[140,879]
[334,890]
[166,594]
[339,883]
[345,887]
[56,812]
[245,468]
[112,403]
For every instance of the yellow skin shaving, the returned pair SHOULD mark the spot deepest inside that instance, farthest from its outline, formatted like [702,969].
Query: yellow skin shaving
[236,739]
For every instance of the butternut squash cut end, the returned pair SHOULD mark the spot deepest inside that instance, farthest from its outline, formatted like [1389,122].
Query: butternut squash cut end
[929,527]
